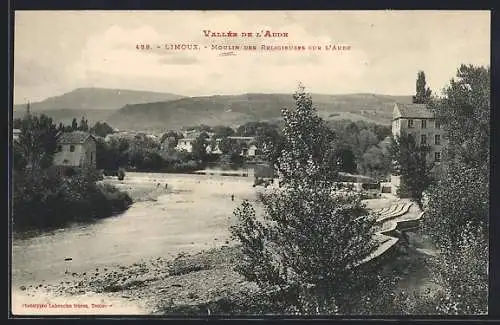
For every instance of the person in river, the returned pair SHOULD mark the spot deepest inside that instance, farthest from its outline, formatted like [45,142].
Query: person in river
[232,197]
[166,185]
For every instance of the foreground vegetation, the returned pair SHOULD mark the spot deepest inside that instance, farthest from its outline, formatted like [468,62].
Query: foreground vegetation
[306,245]
[457,203]
[305,250]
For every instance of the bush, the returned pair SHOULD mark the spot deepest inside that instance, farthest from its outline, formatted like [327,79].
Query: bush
[43,199]
[121,174]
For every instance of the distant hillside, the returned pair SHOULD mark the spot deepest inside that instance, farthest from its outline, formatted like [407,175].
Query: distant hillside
[238,109]
[98,99]
[66,115]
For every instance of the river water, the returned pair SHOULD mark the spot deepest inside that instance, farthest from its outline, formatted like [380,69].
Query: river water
[192,214]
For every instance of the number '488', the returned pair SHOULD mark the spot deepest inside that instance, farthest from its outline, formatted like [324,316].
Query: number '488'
[142,46]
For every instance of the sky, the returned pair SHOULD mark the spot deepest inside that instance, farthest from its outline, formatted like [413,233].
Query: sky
[58,51]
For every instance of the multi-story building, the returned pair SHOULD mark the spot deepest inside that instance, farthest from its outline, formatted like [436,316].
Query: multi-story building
[420,122]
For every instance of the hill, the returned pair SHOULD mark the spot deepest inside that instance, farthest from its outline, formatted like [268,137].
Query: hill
[98,98]
[95,103]
[237,109]
[66,115]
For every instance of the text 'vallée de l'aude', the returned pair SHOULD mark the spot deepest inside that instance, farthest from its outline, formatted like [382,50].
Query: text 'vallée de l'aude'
[267,33]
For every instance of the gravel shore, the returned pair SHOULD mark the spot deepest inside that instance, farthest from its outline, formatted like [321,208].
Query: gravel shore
[159,286]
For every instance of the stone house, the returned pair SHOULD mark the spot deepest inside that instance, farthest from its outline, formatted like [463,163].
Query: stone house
[420,122]
[76,150]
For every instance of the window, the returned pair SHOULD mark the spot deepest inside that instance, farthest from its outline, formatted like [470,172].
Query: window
[423,139]
[72,148]
[59,148]
[410,124]
[424,124]
[438,125]
[437,156]
[437,139]
[65,161]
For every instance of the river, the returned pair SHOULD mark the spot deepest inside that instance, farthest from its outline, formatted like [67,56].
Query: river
[192,214]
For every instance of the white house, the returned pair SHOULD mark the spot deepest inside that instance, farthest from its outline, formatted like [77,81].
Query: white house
[214,150]
[252,150]
[75,149]
[185,144]
[15,134]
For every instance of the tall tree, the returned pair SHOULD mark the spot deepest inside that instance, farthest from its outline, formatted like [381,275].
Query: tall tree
[347,160]
[84,125]
[464,113]
[366,139]
[172,137]
[423,94]
[226,145]
[309,239]
[74,124]
[200,147]
[37,141]
[376,162]
[16,123]
[101,129]
[457,211]
[223,131]
[414,166]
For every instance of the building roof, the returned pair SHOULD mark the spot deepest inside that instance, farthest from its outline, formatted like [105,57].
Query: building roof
[240,138]
[356,176]
[412,111]
[75,137]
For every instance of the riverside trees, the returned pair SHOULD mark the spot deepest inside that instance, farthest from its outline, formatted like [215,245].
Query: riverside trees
[458,209]
[44,199]
[309,238]
[457,212]
[413,166]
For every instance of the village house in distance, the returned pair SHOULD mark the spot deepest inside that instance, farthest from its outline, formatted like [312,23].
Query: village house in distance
[75,150]
[420,122]
[186,143]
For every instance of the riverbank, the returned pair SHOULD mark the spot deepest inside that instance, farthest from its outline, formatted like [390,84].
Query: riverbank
[169,255]
[193,284]
[157,286]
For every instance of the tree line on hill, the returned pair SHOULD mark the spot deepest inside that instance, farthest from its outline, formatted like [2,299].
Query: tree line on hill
[362,148]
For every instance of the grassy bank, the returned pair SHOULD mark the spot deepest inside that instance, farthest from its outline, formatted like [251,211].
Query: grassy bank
[44,200]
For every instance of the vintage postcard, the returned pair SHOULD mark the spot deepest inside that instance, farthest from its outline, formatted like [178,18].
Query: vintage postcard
[257,163]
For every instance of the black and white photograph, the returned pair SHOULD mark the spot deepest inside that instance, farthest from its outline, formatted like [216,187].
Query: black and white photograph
[250,163]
